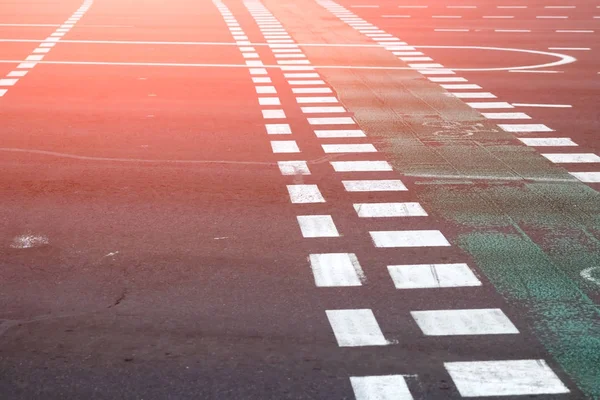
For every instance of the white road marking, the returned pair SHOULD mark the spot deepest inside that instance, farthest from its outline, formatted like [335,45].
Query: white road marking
[446,79]
[429,276]
[490,105]
[438,71]
[261,79]
[570,48]
[421,238]
[316,100]
[8,82]
[446,16]
[451,30]
[552,16]
[29,241]
[511,6]
[464,322]
[269,101]
[413,6]
[461,86]
[287,55]
[331,121]
[525,128]
[17,74]
[498,16]
[542,105]
[383,185]
[513,30]
[461,6]
[293,168]
[416,59]
[559,6]
[474,95]
[361,166]
[323,110]
[301,75]
[273,114]
[336,270]
[313,226]
[510,115]
[278,129]
[549,142]
[265,89]
[383,387]
[348,148]
[382,210]
[311,90]
[574,31]
[425,65]
[339,133]
[575,158]
[504,378]
[395,16]
[300,194]
[354,328]
[284,146]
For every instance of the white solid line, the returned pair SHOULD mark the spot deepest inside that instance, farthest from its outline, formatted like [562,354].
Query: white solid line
[305,194]
[384,210]
[354,328]
[525,128]
[490,321]
[273,114]
[313,226]
[331,121]
[421,238]
[382,185]
[293,168]
[336,269]
[316,100]
[542,105]
[311,90]
[348,148]
[504,378]
[575,158]
[384,387]
[474,95]
[278,129]
[269,101]
[490,105]
[587,177]
[509,115]
[361,166]
[547,142]
[570,48]
[284,146]
[323,110]
[339,133]
[466,86]
[429,276]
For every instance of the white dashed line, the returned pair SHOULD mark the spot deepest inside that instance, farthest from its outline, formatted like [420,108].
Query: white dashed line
[300,194]
[336,270]
[504,378]
[423,238]
[355,328]
[464,322]
[379,210]
[429,276]
[384,387]
[314,226]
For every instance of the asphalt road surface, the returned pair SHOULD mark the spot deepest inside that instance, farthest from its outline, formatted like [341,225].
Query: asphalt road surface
[285,199]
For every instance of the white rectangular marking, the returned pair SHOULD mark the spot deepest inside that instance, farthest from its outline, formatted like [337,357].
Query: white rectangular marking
[382,210]
[300,194]
[293,168]
[562,158]
[461,86]
[8,82]
[313,226]
[587,177]
[361,166]
[354,328]
[429,276]
[273,114]
[265,89]
[269,101]
[446,79]
[490,105]
[336,269]
[509,115]
[349,148]
[504,378]
[306,82]
[308,100]
[301,75]
[548,142]
[424,238]
[383,185]
[542,105]
[475,95]
[331,121]
[323,110]
[261,79]
[278,129]
[284,146]
[384,387]
[525,128]
[17,74]
[339,133]
[491,321]
[311,90]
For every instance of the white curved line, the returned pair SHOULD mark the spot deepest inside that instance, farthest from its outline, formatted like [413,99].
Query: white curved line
[564,59]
